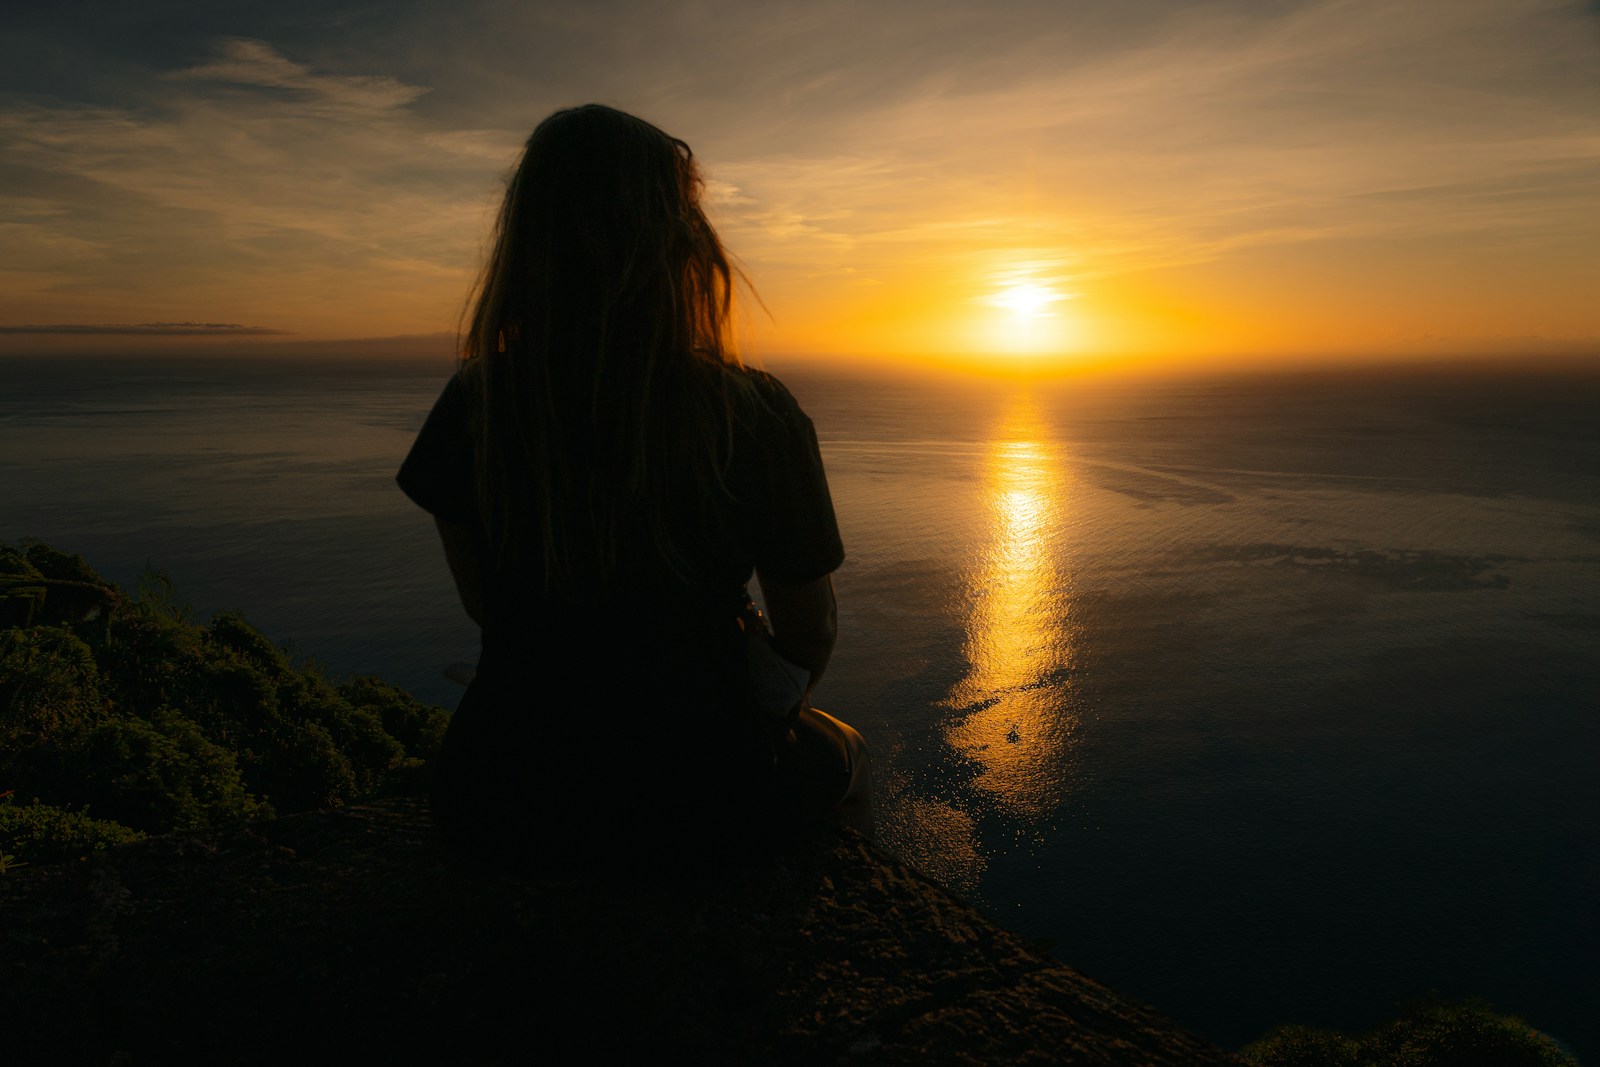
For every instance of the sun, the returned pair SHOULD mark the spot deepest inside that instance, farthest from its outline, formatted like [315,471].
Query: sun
[1028,319]
[1028,300]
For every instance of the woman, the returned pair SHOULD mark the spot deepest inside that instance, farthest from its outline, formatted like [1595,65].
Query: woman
[605,477]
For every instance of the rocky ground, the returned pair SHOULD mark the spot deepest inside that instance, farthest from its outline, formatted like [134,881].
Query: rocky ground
[352,934]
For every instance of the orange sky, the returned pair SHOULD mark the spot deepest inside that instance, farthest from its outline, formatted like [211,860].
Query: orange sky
[1030,185]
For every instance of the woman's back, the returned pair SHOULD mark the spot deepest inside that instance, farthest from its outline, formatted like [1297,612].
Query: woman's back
[606,478]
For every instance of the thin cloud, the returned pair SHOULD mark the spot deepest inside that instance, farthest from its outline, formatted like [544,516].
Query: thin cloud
[496,146]
[1214,132]
[257,63]
[258,204]
[724,194]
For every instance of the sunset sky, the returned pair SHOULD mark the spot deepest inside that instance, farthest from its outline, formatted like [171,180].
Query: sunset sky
[1064,182]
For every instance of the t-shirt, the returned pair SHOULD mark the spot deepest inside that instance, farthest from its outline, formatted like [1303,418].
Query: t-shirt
[777,518]
[595,724]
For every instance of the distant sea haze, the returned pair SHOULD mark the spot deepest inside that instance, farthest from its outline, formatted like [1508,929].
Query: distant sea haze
[1263,699]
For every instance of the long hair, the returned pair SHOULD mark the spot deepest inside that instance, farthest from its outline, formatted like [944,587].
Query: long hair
[599,341]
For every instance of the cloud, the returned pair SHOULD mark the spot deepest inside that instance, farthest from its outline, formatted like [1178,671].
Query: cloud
[167,329]
[1211,131]
[318,203]
[723,194]
[495,146]
[257,63]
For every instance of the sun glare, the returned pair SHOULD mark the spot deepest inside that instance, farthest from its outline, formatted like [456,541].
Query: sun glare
[1028,300]
[1029,320]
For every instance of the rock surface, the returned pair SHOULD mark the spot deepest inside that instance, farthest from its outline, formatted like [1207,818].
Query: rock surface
[351,933]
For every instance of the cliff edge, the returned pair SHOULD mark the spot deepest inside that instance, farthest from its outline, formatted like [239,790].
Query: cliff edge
[352,933]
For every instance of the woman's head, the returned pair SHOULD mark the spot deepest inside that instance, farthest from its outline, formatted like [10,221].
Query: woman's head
[598,339]
[602,240]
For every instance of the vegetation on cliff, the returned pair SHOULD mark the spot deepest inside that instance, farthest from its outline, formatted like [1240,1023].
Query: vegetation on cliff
[1437,1034]
[121,716]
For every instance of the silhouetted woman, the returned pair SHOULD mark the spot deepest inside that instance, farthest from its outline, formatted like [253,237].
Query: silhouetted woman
[606,477]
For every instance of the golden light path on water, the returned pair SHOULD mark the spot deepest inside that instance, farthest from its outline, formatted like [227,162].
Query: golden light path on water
[1010,717]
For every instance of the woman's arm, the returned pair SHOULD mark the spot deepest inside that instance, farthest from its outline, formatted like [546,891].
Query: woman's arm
[805,621]
[462,552]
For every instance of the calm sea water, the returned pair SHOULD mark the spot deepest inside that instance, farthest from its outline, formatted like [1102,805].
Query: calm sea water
[1261,699]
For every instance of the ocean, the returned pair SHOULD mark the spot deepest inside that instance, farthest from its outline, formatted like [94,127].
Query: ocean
[1262,698]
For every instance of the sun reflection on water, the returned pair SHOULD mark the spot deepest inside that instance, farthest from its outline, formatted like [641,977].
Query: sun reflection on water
[1010,716]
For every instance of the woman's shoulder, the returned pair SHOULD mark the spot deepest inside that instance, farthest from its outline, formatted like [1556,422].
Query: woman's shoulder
[762,380]
[437,472]
[770,391]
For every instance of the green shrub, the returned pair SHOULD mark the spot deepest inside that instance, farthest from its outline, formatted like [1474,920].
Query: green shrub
[1435,1034]
[359,734]
[1466,1035]
[157,723]
[14,563]
[229,630]
[418,727]
[149,660]
[60,566]
[40,833]
[1302,1046]
[159,775]
[158,597]
[49,689]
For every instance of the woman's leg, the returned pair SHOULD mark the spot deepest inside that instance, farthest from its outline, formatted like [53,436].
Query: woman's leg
[855,810]
[826,772]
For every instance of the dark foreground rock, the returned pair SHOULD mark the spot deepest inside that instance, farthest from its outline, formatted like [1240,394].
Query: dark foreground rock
[351,934]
